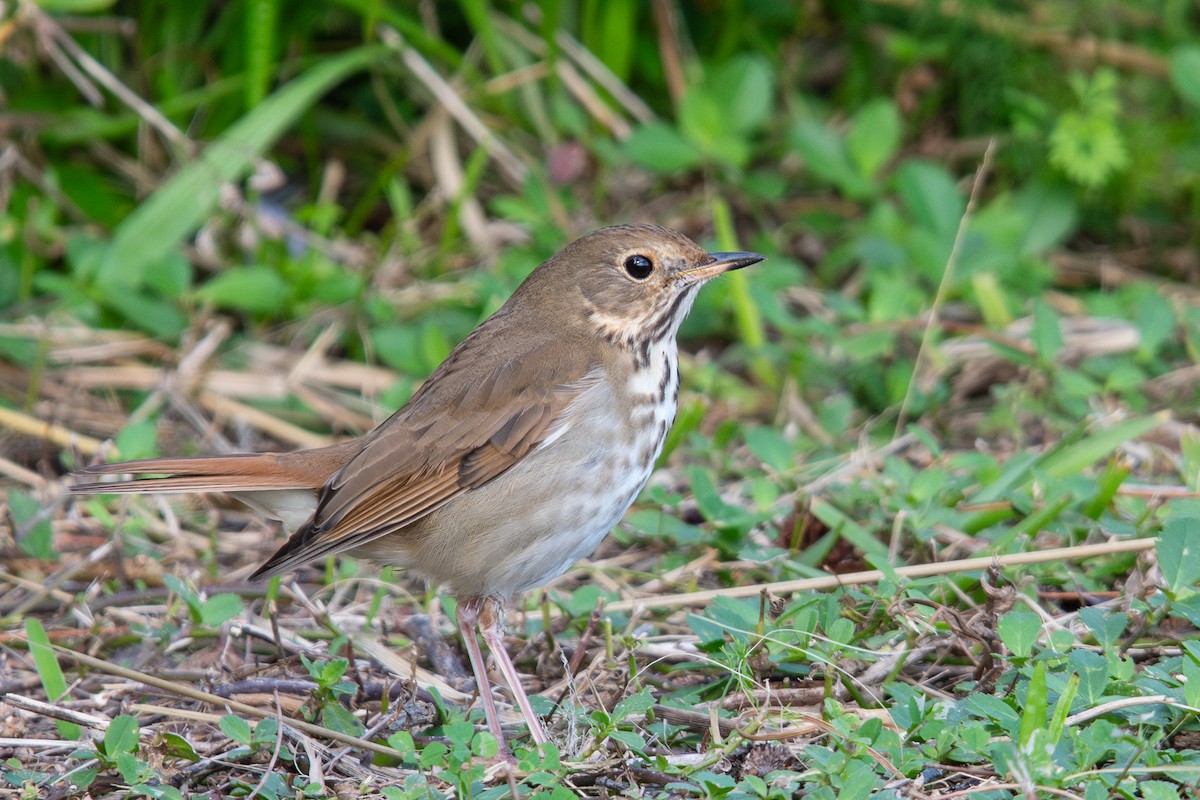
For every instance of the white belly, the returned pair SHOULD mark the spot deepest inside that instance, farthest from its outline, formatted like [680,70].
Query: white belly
[550,510]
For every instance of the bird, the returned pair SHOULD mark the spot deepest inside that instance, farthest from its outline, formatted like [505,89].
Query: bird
[511,462]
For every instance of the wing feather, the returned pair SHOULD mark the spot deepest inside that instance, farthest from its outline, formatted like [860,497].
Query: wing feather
[465,427]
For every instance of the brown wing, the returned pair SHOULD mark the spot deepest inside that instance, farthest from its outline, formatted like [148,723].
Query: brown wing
[482,411]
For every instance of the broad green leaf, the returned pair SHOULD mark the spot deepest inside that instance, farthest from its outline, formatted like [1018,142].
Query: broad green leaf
[708,497]
[1019,630]
[1191,685]
[33,527]
[858,781]
[146,311]
[337,717]
[1159,790]
[138,440]
[177,746]
[485,745]
[825,156]
[219,609]
[1107,626]
[266,731]
[638,703]
[769,447]
[1185,72]
[256,289]
[630,739]
[1092,672]
[991,298]
[121,736]
[659,147]
[1179,555]
[994,709]
[160,224]
[931,196]
[1046,333]
[235,728]
[160,791]
[1052,215]
[744,88]
[874,136]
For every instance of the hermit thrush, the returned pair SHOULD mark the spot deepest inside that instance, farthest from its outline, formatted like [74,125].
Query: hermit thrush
[516,457]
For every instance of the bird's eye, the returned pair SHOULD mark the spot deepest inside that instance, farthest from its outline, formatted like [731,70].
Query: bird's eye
[639,267]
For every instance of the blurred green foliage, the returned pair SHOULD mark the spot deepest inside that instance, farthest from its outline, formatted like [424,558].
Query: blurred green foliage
[395,169]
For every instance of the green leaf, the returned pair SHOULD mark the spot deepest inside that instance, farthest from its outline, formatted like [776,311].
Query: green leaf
[1185,72]
[825,156]
[159,225]
[235,728]
[32,526]
[630,739]
[1019,630]
[164,791]
[75,6]
[1033,714]
[769,447]
[1062,707]
[1178,552]
[337,717]
[146,311]
[1047,333]
[175,746]
[186,593]
[931,196]
[1191,685]
[256,289]
[874,136]
[1089,151]
[994,709]
[638,703]
[1092,671]
[219,609]
[121,736]
[138,440]
[50,673]
[1158,790]
[858,781]
[266,731]
[659,147]
[131,767]
[1099,444]
[709,632]
[1107,626]
[1051,216]
[485,745]
[332,671]
[744,89]
[261,26]
[708,497]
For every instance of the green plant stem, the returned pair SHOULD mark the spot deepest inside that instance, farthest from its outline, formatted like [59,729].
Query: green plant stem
[751,329]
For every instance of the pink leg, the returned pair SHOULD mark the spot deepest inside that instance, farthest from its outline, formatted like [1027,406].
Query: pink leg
[468,616]
[491,625]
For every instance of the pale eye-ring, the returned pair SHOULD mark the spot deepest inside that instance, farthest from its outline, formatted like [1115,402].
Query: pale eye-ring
[639,267]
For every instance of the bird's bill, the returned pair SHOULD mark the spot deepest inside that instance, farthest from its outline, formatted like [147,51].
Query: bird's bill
[720,263]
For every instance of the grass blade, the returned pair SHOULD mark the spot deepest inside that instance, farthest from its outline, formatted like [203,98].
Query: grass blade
[53,680]
[180,205]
